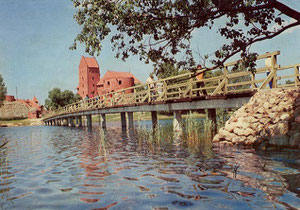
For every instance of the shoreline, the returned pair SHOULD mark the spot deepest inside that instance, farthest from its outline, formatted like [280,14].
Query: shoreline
[20,123]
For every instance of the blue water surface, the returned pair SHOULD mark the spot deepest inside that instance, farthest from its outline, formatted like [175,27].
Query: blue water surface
[76,168]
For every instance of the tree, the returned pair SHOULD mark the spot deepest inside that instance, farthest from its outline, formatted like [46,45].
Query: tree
[3,90]
[166,70]
[161,30]
[57,98]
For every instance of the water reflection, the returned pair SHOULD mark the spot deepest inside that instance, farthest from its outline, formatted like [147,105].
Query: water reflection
[72,168]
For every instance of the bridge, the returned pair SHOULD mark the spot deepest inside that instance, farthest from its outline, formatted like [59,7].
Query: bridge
[226,87]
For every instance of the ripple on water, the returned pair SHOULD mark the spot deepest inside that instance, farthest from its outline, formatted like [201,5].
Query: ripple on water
[70,168]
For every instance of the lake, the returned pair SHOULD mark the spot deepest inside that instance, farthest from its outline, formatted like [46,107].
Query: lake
[76,168]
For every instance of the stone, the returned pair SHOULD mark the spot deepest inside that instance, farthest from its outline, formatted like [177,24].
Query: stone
[279,140]
[248,131]
[271,117]
[295,140]
[224,132]
[216,138]
[242,124]
[230,126]
[238,131]
[273,101]
[297,119]
[285,116]
[266,105]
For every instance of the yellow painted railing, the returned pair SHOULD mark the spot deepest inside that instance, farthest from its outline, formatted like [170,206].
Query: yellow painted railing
[186,86]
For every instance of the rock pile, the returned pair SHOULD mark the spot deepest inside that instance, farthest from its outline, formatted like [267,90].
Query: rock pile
[271,117]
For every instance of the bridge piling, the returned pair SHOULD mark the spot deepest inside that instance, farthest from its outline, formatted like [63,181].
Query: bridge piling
[212,116]
[154,120]
[130,120]
[177,122]
[89,121]
[123,120]
[78,121]
[70,122]
[103,121]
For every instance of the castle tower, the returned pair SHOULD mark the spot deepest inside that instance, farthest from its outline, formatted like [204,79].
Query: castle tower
[89,76]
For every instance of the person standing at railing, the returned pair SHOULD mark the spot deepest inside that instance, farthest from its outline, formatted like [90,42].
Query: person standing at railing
[86,97]
[150,80]
[268,63]
[200,83]
[160,88]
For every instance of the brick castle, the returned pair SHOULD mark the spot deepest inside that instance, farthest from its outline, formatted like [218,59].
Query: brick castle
[91,85]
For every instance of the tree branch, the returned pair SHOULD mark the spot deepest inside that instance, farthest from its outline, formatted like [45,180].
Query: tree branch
[285,9]
[254,41]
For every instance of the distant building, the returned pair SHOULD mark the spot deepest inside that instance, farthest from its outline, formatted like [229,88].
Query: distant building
[91,85]
[21,108]
[89,76]
[10,98]
[114,80]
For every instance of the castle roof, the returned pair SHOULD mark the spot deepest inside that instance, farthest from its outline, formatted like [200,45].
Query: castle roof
[116,75]
[91,62]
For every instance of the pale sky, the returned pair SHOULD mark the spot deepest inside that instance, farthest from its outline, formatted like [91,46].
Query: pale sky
[35,36]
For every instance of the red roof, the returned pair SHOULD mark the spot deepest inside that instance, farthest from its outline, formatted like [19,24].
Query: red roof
[116,74]
[91,62]
[34,99]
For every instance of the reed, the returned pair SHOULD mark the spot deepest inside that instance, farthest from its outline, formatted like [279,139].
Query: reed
[197,135]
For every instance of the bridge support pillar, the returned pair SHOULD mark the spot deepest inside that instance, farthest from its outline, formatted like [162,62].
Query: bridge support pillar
[103,121]
[130,120]
[52,122]
[154,120]
[212,116]
[177,122]
[55,122]
[59,122]
[89,121]
[79,121]
[70,122]
[66,122]
[123,120]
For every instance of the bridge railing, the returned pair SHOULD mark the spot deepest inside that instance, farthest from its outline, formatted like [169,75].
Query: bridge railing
[222,81]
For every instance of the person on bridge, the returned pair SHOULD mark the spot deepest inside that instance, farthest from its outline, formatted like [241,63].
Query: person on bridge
[200,83]
[86,97]
[151,83]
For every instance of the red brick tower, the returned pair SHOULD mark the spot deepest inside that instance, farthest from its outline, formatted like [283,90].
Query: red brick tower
[89,76]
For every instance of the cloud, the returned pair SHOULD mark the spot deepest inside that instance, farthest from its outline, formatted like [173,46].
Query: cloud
[276,27]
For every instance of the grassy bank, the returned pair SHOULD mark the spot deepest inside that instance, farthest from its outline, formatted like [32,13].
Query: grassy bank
[23,122]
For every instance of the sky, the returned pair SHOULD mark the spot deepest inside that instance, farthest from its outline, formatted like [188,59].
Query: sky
[35,36]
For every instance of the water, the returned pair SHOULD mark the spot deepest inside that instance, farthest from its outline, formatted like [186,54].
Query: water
[71,168]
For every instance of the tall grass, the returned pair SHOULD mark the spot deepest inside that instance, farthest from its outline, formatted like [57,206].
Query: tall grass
[196,136]
[197,132]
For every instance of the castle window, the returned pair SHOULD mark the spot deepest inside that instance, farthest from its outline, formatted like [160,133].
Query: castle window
[92,78]
[93,85]
[120,82]
[108,82]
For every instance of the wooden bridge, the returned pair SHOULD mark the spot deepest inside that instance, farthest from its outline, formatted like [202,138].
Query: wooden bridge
[226,87]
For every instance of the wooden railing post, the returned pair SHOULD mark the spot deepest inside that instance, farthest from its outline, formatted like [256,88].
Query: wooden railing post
[149,93]
[191,85]
[296,71]
[273,70]
[225,89]
[165,97]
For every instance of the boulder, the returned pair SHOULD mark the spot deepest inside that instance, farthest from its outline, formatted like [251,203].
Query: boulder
[271,118]
[295,140]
